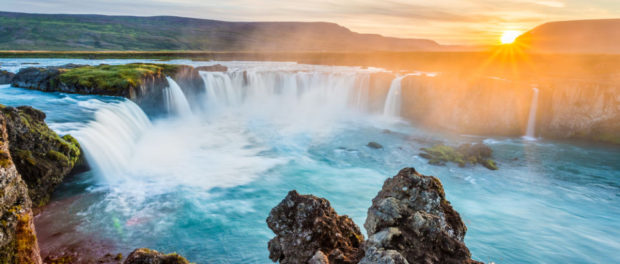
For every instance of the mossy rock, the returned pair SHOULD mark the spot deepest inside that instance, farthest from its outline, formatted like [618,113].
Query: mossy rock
[462,155]
[115,79]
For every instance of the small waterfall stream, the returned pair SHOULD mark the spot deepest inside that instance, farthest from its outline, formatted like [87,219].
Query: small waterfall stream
[175,99]
[530,132]
[393,101]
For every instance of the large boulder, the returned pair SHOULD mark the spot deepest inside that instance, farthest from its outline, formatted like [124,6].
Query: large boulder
[149,256]
[464,154]
[308,230]
[410,221]
[41,156]
[18,242]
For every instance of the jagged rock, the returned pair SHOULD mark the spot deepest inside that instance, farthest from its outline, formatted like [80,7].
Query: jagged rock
[464,154]
[308,229]
[410,221]
[18,242]
[213,68]
[42,157]
[374,145]
[6,77]
[149,256]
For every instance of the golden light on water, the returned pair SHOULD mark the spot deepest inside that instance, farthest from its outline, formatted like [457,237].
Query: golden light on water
[509,36]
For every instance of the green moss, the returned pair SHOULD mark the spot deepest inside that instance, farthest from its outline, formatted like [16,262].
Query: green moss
[26,155]
[5,159]
[115,79]
[462,155]
[57,156]
[26,239]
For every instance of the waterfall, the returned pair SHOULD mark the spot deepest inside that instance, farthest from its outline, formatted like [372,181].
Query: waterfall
[175,99]
[287,90]
[393,100]
[108,141]
[531,122]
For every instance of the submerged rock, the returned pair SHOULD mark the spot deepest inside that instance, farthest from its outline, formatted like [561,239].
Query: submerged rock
[149,256]
[308,230]
[374,145]
[42,158]
[18,242]
[410,221]
[464,154]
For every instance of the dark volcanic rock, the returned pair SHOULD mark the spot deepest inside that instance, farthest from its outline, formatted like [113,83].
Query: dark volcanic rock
[307,229]
[149,256]
[213,68]
[18,242]
[410,221]
[41,156]
[6,77]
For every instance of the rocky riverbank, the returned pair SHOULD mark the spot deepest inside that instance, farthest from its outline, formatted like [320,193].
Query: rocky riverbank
[410,221]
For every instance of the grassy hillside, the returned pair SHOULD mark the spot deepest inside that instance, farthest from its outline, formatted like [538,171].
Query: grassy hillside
[19,31]
[578,36]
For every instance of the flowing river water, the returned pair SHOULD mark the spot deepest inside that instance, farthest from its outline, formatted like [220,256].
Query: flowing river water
[202,180]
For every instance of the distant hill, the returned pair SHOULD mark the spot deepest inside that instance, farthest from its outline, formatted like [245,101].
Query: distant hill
[578,36]
[20,31]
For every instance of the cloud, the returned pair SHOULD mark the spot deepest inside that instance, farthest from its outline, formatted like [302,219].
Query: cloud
[551,3]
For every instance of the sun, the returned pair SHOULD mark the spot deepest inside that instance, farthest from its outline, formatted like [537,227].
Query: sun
[509,36]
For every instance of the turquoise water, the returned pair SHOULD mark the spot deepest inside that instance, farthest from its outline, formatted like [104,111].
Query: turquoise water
[203,185]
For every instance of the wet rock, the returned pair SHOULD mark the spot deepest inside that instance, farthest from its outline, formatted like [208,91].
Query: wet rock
[6,77]
[464,154]
[18,242]
[308,229]
[42,157]
[213,68]
[374,145]
[410,221]
[149,256]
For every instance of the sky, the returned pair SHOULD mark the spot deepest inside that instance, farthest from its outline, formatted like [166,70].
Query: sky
[450,22]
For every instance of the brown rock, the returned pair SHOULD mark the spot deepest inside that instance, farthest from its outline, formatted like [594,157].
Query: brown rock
[149,256]
[307,229]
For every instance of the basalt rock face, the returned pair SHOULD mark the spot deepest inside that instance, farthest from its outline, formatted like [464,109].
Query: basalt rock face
[410,221]
[41,156]
[308,230]
[149,256]
[6,77]
[18,242]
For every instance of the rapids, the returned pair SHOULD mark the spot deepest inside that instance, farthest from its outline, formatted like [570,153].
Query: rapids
[202,180]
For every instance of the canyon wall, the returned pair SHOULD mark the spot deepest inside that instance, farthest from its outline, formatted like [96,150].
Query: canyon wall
[491,106]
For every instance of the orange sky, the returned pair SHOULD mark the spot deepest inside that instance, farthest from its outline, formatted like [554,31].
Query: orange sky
[468,22]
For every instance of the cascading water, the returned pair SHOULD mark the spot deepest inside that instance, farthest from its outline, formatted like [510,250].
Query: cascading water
[393,101]
[175,100]
[108,141]
[530,133]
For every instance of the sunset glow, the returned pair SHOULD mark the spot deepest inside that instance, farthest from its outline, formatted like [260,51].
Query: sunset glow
[509,36]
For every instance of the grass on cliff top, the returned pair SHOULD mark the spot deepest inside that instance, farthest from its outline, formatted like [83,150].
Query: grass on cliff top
[115,77]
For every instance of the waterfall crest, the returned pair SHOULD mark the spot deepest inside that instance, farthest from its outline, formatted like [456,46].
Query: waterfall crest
[530,132]
[175,100]
[393,100]
[108,141]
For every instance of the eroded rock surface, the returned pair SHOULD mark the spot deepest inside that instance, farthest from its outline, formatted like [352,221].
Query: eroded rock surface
[308,230]
[18,242]
[410,221]
[149,256]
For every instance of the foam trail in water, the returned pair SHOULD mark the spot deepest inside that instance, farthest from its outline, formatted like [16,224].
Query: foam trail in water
[108,141]
[530,133]
[393,100]
[175,100]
